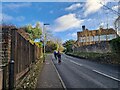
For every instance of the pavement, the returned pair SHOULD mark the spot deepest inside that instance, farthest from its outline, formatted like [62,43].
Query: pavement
[49,78]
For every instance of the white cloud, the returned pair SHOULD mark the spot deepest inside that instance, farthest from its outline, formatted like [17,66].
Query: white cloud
[111,27]
[67,22]
[20,18]
[89,19]
[0,18]
[8,18]
[73,6]
[16,5]
[43,0]
[115,8]
[102,24]
[49,0]
[73,35]
[93,6]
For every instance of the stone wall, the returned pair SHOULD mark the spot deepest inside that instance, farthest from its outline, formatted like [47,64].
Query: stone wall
[102,47]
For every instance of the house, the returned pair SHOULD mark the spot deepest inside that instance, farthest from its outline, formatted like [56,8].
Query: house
[88,37]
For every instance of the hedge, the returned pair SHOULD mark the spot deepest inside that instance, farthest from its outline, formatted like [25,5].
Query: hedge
[115,45]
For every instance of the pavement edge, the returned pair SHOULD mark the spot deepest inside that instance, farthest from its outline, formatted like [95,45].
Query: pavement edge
[63,84]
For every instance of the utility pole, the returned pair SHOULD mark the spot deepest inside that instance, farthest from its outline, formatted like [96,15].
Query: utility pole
[44,41]
[114,11]
[119,18]
[107,28]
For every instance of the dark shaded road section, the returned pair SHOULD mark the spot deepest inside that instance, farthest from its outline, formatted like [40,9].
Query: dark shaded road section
[80,73]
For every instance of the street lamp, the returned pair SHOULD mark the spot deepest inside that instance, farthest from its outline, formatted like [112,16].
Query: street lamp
[44,41]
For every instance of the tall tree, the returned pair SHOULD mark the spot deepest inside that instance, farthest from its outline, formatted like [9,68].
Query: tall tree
[68,45]
[58,41]
[50,46]
[34,32]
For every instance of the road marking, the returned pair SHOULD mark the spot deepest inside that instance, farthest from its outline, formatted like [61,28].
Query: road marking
[47,63]
[106,75]
[1,65]
[63,84]
[97,71]
[0,70]
[75,63]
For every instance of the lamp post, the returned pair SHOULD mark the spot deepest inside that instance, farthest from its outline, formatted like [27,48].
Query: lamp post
[44,41]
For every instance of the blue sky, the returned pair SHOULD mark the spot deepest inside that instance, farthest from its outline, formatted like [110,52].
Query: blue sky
[65,18]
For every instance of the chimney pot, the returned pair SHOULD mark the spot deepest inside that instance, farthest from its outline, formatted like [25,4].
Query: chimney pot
[83,27]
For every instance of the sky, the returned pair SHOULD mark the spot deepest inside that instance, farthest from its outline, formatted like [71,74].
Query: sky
[65,18]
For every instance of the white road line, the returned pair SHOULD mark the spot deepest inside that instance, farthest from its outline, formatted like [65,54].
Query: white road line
[106,75]
[0,70]
[75,63]
[97,71]
[63,84]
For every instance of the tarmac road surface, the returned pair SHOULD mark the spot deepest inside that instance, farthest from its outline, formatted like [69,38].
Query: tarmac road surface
[80,73]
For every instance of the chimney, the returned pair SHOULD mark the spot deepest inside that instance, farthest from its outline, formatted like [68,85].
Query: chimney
[83,27]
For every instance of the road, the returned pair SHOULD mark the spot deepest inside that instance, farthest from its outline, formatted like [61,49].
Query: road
[80,73]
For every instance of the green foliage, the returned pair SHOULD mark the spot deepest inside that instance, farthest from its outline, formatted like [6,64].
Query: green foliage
[35,32]
[50,46]
[39,44]
[108,58]
[68,45]
[58,42]
[60,48]
[115,45]
[31,41]
[30,79]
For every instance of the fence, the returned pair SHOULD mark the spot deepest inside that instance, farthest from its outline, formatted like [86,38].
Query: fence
[21,51]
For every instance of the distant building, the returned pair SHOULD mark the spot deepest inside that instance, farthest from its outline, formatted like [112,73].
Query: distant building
[117,25]
[88,37]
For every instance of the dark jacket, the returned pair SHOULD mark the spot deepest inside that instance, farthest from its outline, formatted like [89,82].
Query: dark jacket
[59,55]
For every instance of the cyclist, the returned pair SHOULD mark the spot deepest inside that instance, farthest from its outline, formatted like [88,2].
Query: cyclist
[59,57]
[55,55]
